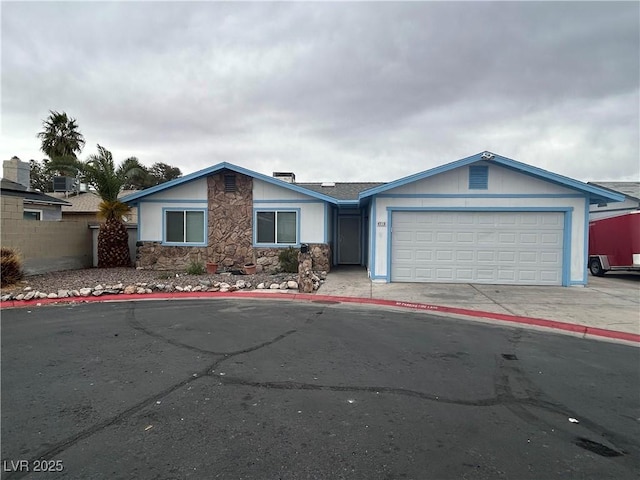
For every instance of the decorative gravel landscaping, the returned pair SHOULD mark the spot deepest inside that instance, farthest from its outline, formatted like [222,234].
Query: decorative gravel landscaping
[99,281]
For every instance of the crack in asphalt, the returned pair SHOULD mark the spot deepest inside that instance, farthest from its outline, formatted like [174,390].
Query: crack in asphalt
[289,385]
[509,375]
[88,432]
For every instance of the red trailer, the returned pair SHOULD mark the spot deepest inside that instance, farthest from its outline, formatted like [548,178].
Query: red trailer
[614,243]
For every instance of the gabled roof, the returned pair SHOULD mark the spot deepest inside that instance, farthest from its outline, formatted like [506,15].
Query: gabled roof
[84,202]
[630,189]
[136,197]
[341,190]
[13,189]
[595,194]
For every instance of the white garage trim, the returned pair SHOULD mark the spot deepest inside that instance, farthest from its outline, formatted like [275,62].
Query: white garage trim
[566,238]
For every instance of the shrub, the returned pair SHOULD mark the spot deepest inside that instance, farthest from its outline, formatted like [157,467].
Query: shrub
[11,266]
[289,260]
[195,268]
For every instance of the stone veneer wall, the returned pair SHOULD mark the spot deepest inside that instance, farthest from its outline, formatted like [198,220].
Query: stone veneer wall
[267,258]
[155,256]
[230,221]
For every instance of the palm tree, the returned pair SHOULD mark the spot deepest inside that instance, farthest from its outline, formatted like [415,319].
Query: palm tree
[60,137]
[100,172]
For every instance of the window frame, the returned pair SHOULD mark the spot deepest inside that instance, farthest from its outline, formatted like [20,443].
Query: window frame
[275,244]
[33,210]
[165,210]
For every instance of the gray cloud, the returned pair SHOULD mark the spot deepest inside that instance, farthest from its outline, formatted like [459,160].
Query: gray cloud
[332,91]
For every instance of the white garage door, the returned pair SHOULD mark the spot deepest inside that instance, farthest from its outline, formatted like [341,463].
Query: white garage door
[477,247]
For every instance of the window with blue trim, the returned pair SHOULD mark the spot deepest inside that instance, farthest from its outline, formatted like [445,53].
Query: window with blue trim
[478,177]
[184,226]
[277,227]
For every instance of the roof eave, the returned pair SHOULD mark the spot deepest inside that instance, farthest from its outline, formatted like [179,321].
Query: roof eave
[595,194]
[134,199]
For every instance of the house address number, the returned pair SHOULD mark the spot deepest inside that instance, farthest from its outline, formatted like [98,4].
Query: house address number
[382,224]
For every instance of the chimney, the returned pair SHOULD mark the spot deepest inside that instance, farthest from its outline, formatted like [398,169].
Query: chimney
[288,177]
[17,171]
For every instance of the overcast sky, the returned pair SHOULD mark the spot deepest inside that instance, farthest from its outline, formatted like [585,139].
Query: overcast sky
[330,91]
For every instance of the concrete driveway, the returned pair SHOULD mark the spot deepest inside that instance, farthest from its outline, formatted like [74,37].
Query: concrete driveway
[611,302]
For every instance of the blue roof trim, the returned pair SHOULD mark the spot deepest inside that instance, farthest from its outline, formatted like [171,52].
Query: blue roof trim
[135,197]
[595,194]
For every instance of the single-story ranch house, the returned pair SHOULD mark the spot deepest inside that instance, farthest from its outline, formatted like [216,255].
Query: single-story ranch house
[481,219]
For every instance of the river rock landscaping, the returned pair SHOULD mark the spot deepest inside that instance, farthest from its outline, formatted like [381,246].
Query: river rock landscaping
[94,282]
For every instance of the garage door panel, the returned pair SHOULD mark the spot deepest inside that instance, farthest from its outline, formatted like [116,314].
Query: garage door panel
[506,274]
[464,256]
[551,239]
[527,257]
[552,220]
[464,275]
[507,238]
[444,273]
[446,255]
[426,237]
[486,256]
[403,254]
[530,220]
[483,274]
[527,275]
[425,272]
[424,255]
[486,238]
[403,237]
[465,237]
[549,257]
[506,257]
[464,220]
[530,238]
[477,247]
[506,219]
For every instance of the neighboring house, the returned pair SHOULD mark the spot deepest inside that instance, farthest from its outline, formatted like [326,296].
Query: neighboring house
[482,219]
[32,224]
[631,203]
[35,205]
[84,206]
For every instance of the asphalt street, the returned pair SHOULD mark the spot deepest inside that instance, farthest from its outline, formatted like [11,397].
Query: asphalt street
[261,389]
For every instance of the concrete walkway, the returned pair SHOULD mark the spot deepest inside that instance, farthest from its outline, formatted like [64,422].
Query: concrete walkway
[611,302]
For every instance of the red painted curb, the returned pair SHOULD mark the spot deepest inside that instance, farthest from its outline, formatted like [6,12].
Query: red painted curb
[540,322]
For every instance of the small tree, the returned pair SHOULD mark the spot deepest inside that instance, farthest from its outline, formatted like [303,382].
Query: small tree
[100,172]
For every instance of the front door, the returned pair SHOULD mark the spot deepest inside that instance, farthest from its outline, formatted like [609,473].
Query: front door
[349,240]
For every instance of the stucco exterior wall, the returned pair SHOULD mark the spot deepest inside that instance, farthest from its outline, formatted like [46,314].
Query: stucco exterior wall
[267,191]
[501,180]
[506,189]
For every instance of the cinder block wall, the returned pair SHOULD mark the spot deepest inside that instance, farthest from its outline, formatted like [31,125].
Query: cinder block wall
[44,246]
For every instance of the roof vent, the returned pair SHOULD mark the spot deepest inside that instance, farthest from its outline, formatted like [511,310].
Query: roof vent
[288,177]
[328,184]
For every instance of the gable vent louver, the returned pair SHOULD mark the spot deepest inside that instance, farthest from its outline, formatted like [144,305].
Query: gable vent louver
[478,177]
[229,183]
